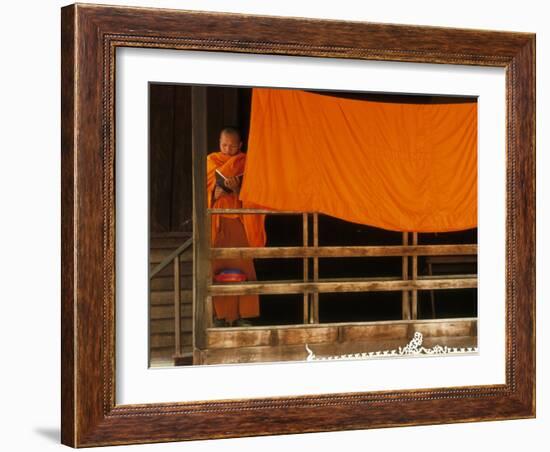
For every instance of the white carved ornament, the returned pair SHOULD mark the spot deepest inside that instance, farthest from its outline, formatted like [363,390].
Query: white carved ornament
[414,347]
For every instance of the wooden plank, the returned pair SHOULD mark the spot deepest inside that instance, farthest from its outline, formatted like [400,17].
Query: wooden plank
[350,333]
[208,312]
[316,335]
[220,338]
[166,241]
[168,325]
[414,276]
[324,286]
[181,217]
[406,307]
[341,251]
[156,256]
[186,269]
[161,130]
[166,297]
[253,211]
[167,340]
[315,303]
[162,357]
[297,352]
[171,234]
[305,243]
[447,328]
[163,283]
[330,333]
[179,251]
[201,221]
[370,323]
[167,311]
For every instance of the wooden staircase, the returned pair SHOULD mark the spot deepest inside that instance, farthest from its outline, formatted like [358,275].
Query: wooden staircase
[161,301]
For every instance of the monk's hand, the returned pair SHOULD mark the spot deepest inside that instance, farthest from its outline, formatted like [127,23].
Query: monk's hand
[233,184]
[218,191]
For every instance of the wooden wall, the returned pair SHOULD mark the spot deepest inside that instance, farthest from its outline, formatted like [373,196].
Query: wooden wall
[170,147]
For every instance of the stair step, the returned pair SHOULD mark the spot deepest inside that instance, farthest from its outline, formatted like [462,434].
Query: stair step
[159,340]
[167,325]
[161,324]
[168,242]
[186,269]
[158,255]
[165,356]
[166,297]
[167,311]
[167,283]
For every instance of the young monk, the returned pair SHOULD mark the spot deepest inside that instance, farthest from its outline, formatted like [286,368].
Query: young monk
[232,230]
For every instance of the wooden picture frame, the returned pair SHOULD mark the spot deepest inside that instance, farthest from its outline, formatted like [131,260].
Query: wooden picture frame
[90,37]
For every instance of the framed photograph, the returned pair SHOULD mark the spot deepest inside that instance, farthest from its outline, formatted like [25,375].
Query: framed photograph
[281,225]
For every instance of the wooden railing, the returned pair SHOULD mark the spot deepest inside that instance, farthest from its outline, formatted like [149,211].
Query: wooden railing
[409,283]
[174,259]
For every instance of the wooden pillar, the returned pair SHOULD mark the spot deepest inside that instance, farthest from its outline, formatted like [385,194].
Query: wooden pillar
[305,243]
[406,308]
[202,277]
[315,307]
[414,292]
[432,295]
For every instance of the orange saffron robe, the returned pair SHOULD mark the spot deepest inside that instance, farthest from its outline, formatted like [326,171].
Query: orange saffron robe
[233,230]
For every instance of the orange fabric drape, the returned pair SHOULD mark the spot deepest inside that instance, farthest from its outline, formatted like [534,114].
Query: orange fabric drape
[232,166]
[397,166]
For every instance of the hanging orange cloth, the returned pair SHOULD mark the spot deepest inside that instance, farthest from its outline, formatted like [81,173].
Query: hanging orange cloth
[233,230]
[397,166]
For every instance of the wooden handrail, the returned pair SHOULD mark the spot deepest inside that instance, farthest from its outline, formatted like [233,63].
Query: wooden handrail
[167,260]
[343,285]
[254,211]
[342,251]
[174,259]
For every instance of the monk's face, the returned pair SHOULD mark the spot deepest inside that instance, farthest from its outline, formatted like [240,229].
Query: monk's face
[230,143]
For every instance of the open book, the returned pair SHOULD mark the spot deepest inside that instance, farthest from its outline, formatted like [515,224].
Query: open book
[220,181]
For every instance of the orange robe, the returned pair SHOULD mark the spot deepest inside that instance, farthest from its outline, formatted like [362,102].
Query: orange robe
[233,230]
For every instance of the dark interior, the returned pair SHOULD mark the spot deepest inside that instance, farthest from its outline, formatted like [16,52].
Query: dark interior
[170,200]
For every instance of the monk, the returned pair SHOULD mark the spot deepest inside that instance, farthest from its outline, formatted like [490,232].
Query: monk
[232,230]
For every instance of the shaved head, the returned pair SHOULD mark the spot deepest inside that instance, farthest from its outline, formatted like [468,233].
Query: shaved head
[231,131]
[230,141]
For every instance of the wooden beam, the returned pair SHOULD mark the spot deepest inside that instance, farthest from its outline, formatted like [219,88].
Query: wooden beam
[381,323]
[332,333]
[340,336]
[305,243]
[254,211]
[287,353]
[405,308]
[341,251]
[414,275]
[164,263]
[201,221]
[315,307]
[341,285]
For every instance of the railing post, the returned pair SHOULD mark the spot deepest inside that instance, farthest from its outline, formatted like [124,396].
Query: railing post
[177,306]
[315,308]
[414,292]
[202,277]
[406,308]
[305,243]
